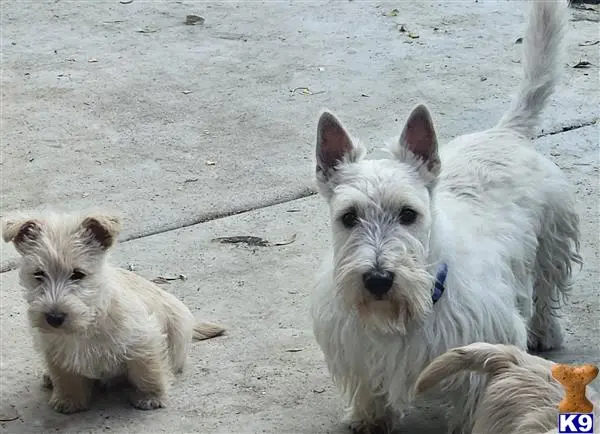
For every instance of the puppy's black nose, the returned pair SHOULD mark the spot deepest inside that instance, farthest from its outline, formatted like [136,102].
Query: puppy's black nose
[55,319]
[378,282]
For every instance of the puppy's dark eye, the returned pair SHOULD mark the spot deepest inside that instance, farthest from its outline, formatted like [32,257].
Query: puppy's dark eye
[77,275]
[349,219]
[407,216]
[39,275]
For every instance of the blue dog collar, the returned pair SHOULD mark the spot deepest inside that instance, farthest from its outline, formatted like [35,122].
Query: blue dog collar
[440,282]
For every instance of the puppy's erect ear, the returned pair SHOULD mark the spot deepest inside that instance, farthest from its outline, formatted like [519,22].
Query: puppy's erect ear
[418,141]
[21,232]
[334,144]
[102,229]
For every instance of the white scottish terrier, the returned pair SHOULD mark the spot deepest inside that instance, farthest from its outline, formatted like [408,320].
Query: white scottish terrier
[95,323]
[439,248]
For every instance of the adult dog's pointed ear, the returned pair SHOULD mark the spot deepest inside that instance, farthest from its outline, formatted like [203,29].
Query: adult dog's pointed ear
[21,232]
[418,143]
[334,147]
[102,230]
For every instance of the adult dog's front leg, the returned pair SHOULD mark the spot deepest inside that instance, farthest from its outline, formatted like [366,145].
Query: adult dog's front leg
[368,413]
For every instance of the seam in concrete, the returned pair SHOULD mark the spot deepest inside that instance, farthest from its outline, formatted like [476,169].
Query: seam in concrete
[11,265]
[565,128]
[307,192]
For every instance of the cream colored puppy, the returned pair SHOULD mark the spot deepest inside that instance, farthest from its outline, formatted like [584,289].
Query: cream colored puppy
[92,321]
[521,396]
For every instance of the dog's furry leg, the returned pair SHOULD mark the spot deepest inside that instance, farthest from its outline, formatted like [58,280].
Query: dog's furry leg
[558,249]
[179,336]
[180,339]
[367,414]
[541,62]
[480,357]
[148,372]
[207,330]
[71,393]
[181,333]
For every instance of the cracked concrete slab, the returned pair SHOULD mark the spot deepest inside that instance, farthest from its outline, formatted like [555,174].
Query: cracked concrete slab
[267,374]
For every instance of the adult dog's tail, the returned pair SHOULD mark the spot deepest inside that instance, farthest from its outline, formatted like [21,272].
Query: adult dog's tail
[478,357]
[541,60]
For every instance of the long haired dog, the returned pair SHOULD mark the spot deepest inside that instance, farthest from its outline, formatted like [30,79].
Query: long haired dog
[438,248]
[92,321]
[520,397]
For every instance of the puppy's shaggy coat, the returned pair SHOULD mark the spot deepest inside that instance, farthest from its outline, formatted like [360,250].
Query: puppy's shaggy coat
[487,207]
[92,321]
[520,397]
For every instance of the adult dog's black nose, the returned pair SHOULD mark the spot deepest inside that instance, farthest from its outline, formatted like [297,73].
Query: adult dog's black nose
[378,282]
[55,319]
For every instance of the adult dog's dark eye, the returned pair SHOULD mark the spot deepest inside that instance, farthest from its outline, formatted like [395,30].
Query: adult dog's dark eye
[407,216]
[39,275]
[349,219]
[77,275]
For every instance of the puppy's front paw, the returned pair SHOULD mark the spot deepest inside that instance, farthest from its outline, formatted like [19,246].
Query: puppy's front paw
[147,402]
[67,405]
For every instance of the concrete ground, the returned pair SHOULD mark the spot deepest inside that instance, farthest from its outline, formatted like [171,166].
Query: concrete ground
[195,132]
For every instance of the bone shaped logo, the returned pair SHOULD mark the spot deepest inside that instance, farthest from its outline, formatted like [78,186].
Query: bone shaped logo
[574,380]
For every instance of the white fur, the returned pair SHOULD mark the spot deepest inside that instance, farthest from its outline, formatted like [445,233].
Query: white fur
[500,215]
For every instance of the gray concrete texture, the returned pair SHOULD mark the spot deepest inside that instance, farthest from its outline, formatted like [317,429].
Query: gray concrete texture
[179,127]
